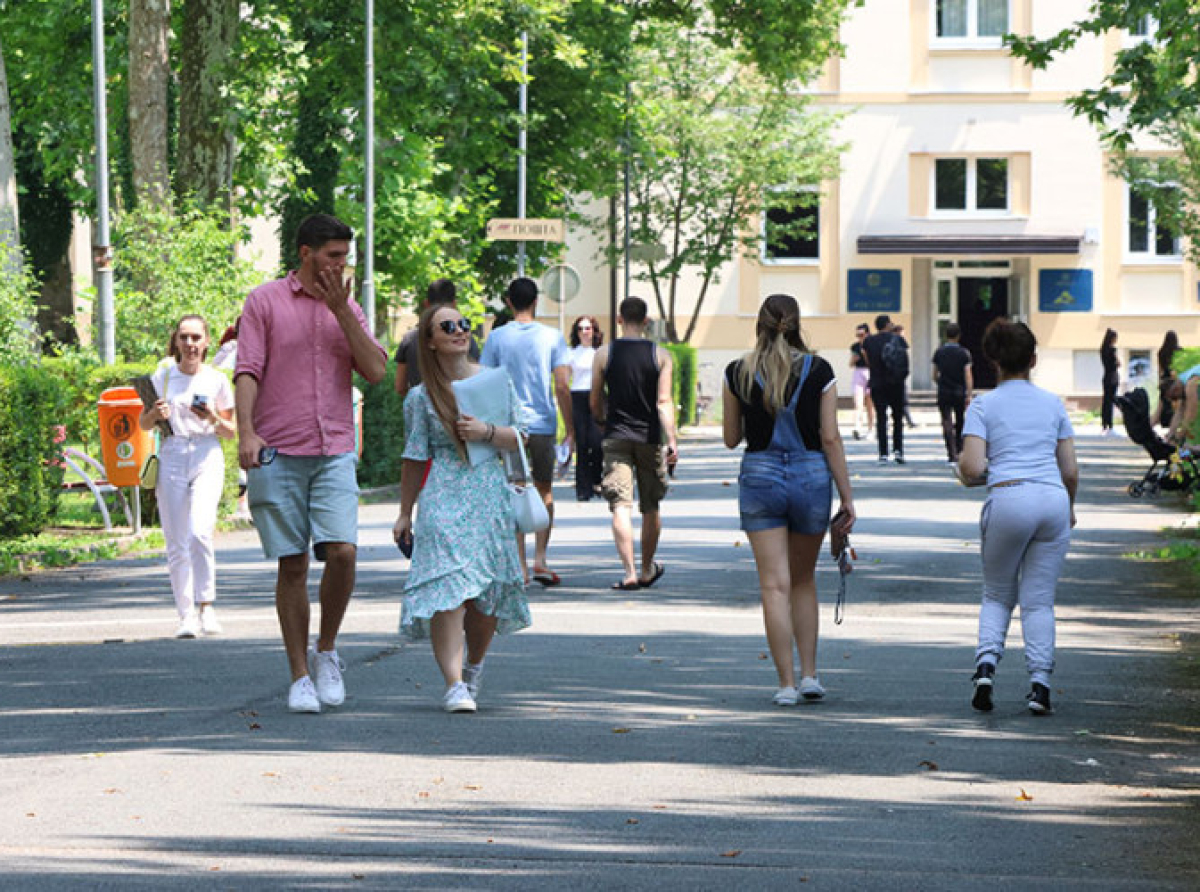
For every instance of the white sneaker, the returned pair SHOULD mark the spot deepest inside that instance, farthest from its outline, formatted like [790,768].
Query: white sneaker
[788,696]
[208,621]
[328,668]
[473,678]
[810,689]
[189,626]
[458,699]
[302,697]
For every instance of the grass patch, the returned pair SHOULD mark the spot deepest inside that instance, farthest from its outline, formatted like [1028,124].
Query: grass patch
[1181,548]
[65,547]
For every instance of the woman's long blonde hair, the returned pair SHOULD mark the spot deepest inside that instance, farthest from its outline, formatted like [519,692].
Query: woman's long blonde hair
[777,340]
[437,383]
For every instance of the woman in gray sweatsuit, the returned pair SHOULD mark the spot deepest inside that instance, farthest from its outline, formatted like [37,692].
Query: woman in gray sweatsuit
[1018,441]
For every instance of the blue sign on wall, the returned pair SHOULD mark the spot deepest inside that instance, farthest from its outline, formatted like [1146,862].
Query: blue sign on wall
[873,291]
[1065,291]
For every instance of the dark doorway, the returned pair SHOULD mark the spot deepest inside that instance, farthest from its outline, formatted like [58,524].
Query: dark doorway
[979,302]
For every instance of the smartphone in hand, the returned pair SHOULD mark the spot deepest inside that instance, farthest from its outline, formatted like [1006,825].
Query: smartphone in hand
[405,544]
[200,404]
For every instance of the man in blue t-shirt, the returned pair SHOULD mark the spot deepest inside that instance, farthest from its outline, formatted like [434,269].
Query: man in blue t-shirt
[536,358]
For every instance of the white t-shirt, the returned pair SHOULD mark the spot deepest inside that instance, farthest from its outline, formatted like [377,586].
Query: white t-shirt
[581,367]
[182,388]
[1022,425]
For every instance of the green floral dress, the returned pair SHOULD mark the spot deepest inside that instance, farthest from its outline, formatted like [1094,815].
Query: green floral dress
[464,534]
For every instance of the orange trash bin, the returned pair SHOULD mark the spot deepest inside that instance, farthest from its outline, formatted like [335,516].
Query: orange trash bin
[123,445]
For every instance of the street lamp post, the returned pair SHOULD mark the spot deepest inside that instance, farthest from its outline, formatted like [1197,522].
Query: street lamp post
[102,249]
[522,145]
[368,285]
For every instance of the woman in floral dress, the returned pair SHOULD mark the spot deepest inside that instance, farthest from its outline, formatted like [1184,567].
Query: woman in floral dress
[465,583]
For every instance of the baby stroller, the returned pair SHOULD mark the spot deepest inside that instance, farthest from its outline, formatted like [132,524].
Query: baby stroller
[1173,470]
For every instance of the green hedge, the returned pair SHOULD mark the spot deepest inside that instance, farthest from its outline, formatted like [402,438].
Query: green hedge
[77,380]
[31,406]
[383,431]
[685,375]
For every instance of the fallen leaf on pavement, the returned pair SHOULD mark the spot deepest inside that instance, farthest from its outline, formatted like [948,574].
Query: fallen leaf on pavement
[925,763]
[472,787]
[632,821]
[732,853]
[1024,797]
[620,730]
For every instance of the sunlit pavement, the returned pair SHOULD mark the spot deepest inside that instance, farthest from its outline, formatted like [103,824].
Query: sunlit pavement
[626,739]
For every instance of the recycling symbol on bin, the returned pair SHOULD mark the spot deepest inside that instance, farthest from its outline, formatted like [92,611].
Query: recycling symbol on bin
[120,428]
[124,450]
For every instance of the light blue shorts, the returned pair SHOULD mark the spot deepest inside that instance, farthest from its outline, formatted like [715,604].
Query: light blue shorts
[297,499]
[784,489]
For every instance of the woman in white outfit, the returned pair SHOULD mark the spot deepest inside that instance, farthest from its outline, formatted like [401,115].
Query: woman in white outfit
[197,401]
[1018,440]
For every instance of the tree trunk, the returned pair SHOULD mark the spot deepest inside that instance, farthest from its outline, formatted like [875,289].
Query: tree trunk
[149,70]
[204,169]
[10,233]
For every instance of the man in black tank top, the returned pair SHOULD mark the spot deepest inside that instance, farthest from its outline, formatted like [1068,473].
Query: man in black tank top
[639,437]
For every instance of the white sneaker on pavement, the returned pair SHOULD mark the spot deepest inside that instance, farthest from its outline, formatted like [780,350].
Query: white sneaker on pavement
[189,626]
[810,689]
[327,668]
[208,621]
[458,699]
[302,697]
[788,696]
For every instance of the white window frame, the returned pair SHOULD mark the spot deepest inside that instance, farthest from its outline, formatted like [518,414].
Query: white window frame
[790,261]
[972,209]
[971,40]
[1149,25]
[1150,255]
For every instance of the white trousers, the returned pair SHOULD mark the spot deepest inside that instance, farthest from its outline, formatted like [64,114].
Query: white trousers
[191,473]
[1026,531]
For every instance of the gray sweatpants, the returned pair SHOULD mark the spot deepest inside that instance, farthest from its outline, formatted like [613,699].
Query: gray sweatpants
[1026,530]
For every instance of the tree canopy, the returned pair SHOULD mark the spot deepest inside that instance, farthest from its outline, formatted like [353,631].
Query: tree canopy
[1146,107]
[268,108]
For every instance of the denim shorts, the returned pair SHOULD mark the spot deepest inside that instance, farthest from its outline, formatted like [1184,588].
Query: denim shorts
[791,489]
[301,498]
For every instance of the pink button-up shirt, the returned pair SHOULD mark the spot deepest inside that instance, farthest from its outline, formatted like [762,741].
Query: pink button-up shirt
[291,343]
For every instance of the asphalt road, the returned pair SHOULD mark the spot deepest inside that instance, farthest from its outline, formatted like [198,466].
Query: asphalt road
[625,740]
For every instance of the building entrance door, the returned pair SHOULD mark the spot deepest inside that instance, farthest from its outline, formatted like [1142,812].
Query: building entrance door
[980,300]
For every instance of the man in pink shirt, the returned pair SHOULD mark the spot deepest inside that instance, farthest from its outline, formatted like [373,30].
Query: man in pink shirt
[299,339]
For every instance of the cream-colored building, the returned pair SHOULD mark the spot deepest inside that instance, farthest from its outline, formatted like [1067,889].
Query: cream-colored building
[968,190]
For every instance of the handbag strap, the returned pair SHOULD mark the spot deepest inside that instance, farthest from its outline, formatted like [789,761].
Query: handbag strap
[524,459]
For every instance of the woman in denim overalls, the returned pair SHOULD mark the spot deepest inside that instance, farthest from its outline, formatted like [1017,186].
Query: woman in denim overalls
[783,401]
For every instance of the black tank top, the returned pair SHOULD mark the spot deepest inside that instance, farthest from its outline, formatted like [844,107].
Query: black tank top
[632,381]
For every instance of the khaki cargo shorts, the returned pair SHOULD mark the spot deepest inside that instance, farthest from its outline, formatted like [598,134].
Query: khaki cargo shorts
[627,462]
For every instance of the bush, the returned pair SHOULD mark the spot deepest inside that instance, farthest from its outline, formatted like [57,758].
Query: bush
[685,375]
[18,313]
[383,431]
[31,405]
[168,265]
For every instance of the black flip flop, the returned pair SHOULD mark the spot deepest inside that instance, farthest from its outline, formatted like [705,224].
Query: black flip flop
[659,570]
[624,586]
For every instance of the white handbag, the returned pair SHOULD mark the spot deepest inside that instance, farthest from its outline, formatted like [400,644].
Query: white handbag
[528,508]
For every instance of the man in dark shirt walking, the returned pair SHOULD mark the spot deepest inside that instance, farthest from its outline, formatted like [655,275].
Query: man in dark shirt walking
[639,437]
[952,372]
[887,388]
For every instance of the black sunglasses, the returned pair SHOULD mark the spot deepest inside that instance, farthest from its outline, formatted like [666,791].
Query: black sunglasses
[449,325]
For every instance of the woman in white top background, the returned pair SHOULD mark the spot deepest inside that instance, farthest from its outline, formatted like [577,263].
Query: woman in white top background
[585,339]
[197,401]
[1018,441]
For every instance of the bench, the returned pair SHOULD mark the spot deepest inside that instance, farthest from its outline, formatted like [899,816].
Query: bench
[76,462]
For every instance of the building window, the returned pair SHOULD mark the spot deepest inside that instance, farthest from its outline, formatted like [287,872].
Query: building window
[792,227]
[970,184]
[1144,27]
[1150,237]
[971,20]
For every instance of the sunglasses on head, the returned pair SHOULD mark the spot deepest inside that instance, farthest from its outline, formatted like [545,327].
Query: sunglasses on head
[449,325]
